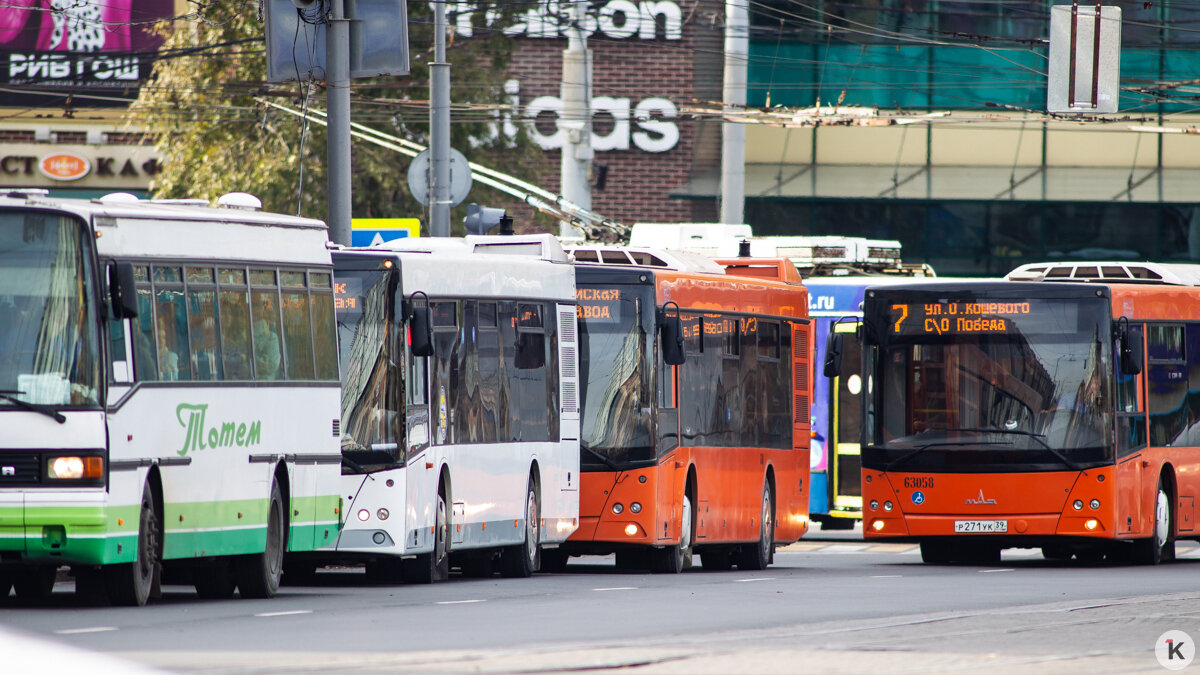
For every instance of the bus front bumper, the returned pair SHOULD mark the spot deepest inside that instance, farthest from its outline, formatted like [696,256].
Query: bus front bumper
[66,527]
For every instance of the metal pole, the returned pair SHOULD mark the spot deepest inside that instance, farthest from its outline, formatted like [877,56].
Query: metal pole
[439,128]
[733,134]
[576,118]
[337,101]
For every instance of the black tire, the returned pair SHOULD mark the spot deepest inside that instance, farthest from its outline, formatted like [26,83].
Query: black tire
[675,559]
[35,583]
[132,584]
[758,556]
[434,566]
[1160,546]
[716,559]
[258,574]
[214,581]
[937,552]
[554,560]
[524,559]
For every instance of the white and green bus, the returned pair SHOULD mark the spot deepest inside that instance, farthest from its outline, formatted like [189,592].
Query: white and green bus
[169,395]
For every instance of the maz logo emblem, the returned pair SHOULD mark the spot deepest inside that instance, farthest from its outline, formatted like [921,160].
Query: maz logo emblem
[981,501]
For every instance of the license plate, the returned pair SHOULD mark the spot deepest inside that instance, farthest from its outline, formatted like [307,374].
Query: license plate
[973,526]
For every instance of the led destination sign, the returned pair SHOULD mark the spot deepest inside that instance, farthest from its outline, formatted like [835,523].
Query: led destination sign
[599,304]
[975,317]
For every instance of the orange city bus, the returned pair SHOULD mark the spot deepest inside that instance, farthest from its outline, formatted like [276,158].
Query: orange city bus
[1054,409]
[695,383]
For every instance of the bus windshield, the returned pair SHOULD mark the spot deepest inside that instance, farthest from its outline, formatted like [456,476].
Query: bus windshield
[1033,392]
[372,397]
[49,338]
[615,372]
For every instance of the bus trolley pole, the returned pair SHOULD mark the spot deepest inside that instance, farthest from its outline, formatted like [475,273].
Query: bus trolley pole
[337,100]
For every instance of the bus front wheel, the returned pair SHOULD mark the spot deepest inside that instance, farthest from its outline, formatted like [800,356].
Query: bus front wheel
[132,583]
[674,559]
[427,568]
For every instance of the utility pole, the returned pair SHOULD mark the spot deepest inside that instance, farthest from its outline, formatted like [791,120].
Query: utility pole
[733,134]
[576,117]
[337,101]
[439,128]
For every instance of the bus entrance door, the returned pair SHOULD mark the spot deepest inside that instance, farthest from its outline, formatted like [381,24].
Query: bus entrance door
[846,411]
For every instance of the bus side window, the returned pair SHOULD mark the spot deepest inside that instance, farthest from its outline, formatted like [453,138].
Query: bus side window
[172,327]
[202,324]
[324,326]
[235,324]
[297,326]
[264,313]
[145,357]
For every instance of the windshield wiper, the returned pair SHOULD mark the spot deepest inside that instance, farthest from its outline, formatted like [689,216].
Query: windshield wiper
[1034,436]
[922,448]
[47,410]
[604,460]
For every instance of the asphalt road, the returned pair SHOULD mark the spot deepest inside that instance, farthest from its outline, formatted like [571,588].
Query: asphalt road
[827,605]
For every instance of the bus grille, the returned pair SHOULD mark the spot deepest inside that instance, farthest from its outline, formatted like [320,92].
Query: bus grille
[20,468]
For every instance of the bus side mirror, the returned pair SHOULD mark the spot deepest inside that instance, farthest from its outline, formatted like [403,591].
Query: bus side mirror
[833,354]
[420,331]
[122,291]
[671,328]
[1131,352]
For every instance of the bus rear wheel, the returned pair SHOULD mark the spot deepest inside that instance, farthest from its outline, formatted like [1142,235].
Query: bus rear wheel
[132,583]
[524,559]
[434,566]
[757,557]
[1160,546]
[258,574]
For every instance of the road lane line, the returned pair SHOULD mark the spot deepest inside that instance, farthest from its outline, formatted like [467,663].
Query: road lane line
[291,613]
[884,576]
[617,588]
[93,629]
[457,602]
[742,581]
[1006,569]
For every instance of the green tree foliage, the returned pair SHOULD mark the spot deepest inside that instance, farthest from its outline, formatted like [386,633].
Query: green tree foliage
[204,107]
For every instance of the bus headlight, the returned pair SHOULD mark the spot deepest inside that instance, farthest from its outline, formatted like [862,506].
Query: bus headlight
[363,514]
[887,506]
[877,525]
[1091,524]
[635,507]
[618,508]
[383,514]
[874,504]
[631,530]
[1078,505]
[75,468]
[1095,504]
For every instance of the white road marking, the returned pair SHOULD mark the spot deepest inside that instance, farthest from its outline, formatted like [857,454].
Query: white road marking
[617,588]
[93,629]
[1006,569]
[458,602]
[291,613]
[740,581]
[885,576]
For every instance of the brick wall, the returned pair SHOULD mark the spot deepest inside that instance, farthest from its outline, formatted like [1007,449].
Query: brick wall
[639,182]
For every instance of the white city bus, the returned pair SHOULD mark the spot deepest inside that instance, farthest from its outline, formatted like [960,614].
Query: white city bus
[168,394]
[461,423]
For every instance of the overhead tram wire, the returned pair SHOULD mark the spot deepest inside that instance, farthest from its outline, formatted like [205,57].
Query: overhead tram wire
[589,224]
